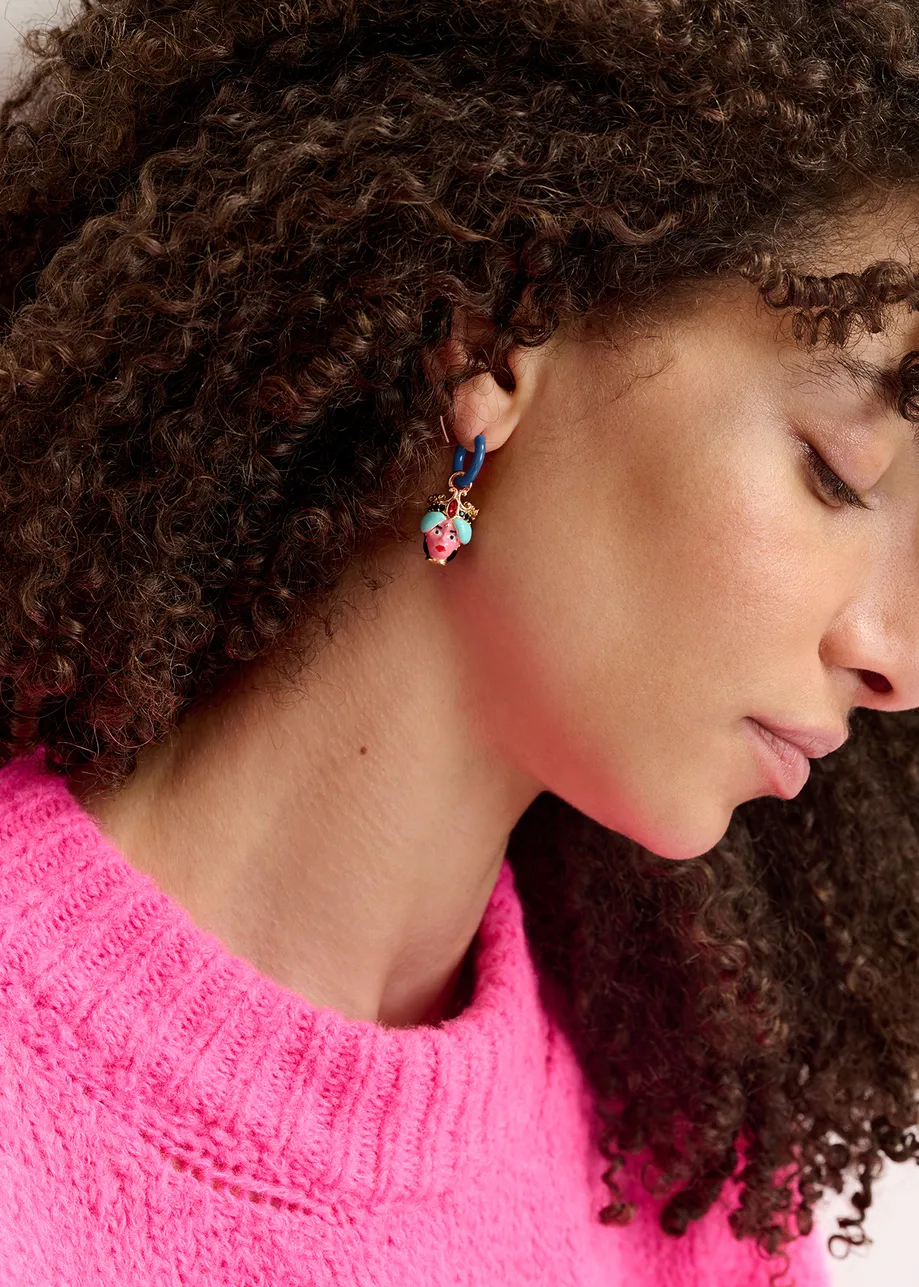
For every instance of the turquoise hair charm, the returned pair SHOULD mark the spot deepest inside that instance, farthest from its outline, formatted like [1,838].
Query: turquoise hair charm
[448,522]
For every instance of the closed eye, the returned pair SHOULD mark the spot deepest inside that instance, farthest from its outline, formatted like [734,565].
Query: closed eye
[829,482]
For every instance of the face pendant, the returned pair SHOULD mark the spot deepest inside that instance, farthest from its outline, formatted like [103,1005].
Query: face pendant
[441,541]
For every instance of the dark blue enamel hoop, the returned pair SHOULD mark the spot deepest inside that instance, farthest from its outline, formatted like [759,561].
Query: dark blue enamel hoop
[459,459]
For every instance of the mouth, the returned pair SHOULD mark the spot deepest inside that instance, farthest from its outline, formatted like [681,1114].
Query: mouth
[786,764]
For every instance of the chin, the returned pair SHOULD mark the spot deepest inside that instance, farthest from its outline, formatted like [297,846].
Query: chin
[672,824]
[684,840]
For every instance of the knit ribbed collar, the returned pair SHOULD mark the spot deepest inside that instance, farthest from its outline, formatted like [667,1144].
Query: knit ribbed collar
[246,1082]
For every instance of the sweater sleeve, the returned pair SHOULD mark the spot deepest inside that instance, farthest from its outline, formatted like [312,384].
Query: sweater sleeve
[804,1262]
[710,1255]
[734,1262]
[722,1260]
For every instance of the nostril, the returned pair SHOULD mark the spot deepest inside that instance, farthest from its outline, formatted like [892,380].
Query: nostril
[877,683]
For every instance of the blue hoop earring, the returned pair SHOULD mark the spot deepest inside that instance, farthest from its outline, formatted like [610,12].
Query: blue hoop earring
[459,459]
[448,522]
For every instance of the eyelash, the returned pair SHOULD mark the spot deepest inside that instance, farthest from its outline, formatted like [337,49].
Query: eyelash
[831,482]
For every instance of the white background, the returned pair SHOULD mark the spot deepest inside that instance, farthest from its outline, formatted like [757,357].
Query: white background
[892,1224]
[893,1221]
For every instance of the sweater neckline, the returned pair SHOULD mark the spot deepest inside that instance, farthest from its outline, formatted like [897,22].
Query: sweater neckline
[229,1071]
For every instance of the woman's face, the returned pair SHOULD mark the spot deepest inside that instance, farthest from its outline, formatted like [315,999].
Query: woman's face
[441,541]
[685,570]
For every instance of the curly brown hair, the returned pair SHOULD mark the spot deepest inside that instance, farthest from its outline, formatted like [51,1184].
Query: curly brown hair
[234,238]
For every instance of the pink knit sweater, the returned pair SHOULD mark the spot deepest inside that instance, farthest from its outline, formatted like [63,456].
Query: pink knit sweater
[169,1115]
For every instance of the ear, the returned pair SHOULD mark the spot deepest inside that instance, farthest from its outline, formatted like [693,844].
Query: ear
[491,403]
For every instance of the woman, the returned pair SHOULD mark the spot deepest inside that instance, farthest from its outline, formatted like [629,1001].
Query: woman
[385,907]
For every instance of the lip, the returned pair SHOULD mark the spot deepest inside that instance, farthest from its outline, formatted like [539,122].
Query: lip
[814,742]
[789,767]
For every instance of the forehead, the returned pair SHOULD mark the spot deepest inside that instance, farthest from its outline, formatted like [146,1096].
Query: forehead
[879,235]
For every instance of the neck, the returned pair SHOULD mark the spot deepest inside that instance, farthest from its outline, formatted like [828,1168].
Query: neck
[346,840]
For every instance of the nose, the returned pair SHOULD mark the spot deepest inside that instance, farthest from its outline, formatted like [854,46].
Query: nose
[877,643]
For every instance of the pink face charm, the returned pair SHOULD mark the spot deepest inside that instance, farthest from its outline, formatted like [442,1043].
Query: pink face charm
[447,525]
[442,541]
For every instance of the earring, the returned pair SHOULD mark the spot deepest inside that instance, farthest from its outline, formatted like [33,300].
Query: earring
[448,522]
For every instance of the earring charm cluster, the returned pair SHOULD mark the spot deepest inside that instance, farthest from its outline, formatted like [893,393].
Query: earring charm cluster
[447,524]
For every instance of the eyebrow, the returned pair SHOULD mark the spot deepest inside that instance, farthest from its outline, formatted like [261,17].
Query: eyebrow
[883,383]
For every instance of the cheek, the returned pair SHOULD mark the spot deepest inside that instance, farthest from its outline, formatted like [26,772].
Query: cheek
[732,570]
[733,566]
[615,658]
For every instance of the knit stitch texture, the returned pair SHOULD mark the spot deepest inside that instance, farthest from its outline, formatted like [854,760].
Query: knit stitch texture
[171,1116]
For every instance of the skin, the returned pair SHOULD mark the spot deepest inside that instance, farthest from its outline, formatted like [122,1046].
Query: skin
[684,571]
